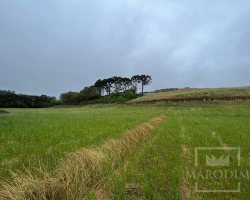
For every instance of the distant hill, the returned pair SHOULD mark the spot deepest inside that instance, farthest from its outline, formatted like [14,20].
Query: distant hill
[195,94]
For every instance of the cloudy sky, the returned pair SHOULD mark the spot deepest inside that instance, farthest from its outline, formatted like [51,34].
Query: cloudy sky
[53,46]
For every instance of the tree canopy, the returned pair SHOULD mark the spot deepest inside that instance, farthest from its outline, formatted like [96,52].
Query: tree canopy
[115,87]
[9,99]
[142,80]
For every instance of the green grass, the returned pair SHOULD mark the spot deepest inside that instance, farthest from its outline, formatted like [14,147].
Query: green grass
[157,169]
[33,137]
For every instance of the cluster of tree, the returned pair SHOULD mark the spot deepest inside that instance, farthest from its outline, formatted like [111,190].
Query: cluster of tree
[9,99]
[112,87]
[119,84]
[87,94]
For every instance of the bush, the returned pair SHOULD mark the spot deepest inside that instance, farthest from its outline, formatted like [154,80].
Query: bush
[130,93]
[90,93]
[70,97]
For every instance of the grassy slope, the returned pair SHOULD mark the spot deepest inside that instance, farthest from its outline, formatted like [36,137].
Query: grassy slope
[195,93]
[30,137]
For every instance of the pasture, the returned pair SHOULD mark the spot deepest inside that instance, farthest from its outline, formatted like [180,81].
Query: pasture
[151,162]
[196,94]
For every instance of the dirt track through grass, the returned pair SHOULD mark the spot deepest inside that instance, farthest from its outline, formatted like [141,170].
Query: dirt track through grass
[80,171]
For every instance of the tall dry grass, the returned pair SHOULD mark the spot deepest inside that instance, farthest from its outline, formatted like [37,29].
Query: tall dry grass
[79,172]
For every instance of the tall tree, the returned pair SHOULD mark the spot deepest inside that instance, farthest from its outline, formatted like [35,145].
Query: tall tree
[117,84]
[100,85]
[113,84]
[141,79]
[107,83]
[126,83]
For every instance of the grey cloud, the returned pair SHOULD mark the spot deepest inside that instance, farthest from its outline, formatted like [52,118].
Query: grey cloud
[53,46]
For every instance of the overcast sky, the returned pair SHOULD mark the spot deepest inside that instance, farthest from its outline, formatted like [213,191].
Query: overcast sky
[53,46]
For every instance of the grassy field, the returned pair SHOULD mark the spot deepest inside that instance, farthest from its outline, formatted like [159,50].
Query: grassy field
[190,93]
[156,166]
[31,137]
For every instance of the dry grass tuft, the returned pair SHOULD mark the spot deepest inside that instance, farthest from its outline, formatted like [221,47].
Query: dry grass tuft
[79,172]
[101,194]
[132,190]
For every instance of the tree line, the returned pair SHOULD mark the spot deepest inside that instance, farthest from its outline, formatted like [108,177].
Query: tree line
[108,90]
[9,99]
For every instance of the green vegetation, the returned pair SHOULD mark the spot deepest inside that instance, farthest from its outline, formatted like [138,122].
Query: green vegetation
[30,137]
[156,169]
[9,99]
[195,94]
[109,90]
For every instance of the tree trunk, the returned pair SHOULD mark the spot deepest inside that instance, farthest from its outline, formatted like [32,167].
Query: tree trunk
[142,88]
